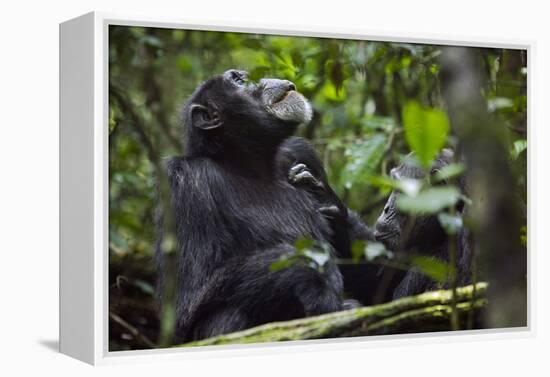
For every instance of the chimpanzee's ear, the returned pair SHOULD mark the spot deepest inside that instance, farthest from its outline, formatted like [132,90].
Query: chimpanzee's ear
[205,118]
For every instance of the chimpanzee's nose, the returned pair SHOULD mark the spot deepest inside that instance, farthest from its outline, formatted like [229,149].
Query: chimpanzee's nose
[285,85]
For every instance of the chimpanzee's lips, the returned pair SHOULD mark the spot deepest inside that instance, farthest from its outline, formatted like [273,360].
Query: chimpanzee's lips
[284,96]
[291,106]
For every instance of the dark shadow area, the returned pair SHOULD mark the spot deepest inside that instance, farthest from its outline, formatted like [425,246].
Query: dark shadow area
[52,345]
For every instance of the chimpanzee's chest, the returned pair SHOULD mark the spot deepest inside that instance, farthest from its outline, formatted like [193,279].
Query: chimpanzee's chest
[264,215]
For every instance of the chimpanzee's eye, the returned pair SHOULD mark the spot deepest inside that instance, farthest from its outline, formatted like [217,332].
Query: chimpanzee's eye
[236,77]
[239,77]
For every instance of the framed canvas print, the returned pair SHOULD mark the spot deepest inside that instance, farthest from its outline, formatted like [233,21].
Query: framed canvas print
[225,187]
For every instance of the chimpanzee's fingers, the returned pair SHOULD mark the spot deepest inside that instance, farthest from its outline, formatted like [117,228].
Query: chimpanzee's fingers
[305,177]
[296,169]
[330,211]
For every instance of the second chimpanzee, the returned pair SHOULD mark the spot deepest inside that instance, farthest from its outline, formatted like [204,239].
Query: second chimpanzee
[422,235]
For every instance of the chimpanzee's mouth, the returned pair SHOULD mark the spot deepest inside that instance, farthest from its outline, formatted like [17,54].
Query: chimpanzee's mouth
[284,96]
[291,106]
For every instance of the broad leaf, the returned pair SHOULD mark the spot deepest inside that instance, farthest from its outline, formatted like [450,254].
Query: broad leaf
[409,186]
[375,250]
[280,264]
[448,172]
[317,259]
[498,103]
[363,159]
[451,223]
[429,201]
[303,243]
[433,268]
[425,131]
[519,146]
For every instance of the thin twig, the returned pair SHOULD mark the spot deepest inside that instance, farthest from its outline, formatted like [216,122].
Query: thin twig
[134,331]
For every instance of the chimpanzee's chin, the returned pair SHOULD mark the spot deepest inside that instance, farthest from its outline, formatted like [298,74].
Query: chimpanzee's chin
[289,127]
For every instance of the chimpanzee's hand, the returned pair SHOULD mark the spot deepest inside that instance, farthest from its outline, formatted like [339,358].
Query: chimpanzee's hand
[299,175]
[330,212]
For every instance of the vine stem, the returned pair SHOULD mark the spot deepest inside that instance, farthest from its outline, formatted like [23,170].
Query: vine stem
[453,276]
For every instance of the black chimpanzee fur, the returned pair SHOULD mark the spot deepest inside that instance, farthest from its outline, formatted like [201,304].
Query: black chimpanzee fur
[236,212]
[422,235]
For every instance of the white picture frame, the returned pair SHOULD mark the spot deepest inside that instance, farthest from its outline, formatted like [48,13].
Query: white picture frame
[84,189]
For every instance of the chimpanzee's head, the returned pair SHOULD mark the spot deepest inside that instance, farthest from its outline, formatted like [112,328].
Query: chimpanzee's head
[228,112]
[399,231]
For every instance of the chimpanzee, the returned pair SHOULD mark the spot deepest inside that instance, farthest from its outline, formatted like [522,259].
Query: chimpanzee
[236,212]
[422,235]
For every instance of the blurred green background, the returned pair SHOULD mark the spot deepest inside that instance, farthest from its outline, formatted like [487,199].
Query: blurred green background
[358,90]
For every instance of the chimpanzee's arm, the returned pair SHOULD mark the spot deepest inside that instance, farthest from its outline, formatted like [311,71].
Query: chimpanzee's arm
[299,161]
[200,230]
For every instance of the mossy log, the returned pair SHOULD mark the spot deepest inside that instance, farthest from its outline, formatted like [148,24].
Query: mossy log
[426,312]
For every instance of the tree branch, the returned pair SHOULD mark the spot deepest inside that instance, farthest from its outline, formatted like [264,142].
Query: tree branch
[426,312]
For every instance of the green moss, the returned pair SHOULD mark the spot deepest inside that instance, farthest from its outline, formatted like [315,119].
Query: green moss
[426,312]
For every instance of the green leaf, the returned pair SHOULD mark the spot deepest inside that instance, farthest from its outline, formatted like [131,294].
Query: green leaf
[363,158]
[259,72]
[451,223]
[307,253]
[433,268]
[281,264]
[448,172]
[117,240]
[253,43]
[375,250]
[144,286]
[519,146]
[184,64]
[383,182]
[169,244]
[317,258]
[523,235]
[369,251]
[152,41]
[378,123]
[303,243]
[332,94]
[497,103]
[425,131]
[429,201]
[409,186]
